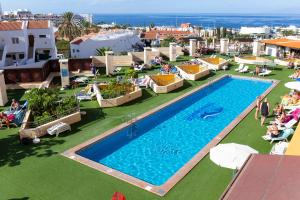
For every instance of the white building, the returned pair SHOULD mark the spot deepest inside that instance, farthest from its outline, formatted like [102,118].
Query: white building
[87,17]
[263,31]
[120,41]
[19,14]
[26,42]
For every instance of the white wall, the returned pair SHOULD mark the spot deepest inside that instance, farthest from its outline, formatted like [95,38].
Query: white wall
[47,43]
[271,50]
[88,47]
[6,39]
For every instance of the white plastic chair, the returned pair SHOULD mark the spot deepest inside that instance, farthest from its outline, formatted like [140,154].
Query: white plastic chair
[58,128]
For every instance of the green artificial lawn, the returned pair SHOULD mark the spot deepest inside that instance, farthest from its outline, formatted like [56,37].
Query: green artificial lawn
[40,172]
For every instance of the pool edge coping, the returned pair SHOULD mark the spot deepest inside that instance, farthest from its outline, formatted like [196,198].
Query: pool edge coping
[185,169]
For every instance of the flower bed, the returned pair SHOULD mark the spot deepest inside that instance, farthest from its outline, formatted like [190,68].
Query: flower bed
[113,94]
[27,130]
[46,108]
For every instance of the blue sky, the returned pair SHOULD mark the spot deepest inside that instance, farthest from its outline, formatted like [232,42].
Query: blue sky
[155,6]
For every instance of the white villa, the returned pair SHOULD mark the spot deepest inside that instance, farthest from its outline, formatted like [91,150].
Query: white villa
[263,32]
[119,41]
[26,42]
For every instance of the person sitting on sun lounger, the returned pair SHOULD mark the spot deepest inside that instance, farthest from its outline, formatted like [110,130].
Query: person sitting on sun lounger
[278,110]
[15,105]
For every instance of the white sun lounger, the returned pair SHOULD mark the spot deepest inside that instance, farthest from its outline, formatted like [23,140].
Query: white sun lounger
[246,68]
[279,148]
[241,67]
[58,128]
[265,73]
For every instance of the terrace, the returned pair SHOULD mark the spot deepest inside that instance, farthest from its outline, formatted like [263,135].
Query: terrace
[35,171]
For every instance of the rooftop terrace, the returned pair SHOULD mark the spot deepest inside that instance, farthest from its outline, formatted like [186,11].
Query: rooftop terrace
[40,172]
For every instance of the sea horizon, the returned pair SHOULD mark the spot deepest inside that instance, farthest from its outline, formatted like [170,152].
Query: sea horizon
[207,20]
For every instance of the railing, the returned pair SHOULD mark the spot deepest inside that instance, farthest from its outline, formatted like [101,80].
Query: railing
[52,118]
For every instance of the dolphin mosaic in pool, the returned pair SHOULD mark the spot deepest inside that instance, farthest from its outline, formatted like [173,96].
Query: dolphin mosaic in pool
[207,111]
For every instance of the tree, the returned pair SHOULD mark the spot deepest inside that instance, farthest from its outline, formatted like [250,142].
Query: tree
[70,28]
[166,42]
[288,32]
[152,25]
[101,51]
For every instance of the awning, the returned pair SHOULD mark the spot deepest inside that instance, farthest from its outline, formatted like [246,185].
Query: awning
[266,177]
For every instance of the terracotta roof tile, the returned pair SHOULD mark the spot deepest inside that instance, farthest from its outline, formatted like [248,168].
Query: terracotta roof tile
[151,35]
[10,26]
[38,24]
[77,41]
[283,42]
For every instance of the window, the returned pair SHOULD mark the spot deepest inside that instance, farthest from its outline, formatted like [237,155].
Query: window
[78,51]
[42,36]
[73,50]
[21,56]
[15,40]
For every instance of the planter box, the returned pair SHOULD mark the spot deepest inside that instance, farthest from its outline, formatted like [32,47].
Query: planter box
[287,61]
[188,74]
[253,60]
[26,132]
[168,86]
[107,103]
[213,63]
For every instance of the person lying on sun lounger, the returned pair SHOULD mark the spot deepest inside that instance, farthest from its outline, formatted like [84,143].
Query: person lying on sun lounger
[295,75]
[273,131]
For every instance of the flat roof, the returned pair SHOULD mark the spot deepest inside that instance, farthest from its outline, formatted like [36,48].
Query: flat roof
[283,42]
[266,177]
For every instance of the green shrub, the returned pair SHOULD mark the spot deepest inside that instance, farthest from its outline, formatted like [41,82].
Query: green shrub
[45,103]
[114,90]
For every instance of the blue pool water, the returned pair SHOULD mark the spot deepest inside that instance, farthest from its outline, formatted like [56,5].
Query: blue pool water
[154,148]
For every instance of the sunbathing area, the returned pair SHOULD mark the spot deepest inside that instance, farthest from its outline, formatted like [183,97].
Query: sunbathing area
[99,109]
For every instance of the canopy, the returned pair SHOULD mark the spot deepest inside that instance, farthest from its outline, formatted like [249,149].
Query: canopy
[231,155]
[293,85]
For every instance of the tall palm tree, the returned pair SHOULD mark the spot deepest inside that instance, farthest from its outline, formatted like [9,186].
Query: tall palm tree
[101,51]
[70,28]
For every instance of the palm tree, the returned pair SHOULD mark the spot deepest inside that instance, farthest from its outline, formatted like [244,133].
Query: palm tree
[101,51]
[69,28]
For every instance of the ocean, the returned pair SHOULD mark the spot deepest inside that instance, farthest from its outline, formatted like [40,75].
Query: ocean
[204,20]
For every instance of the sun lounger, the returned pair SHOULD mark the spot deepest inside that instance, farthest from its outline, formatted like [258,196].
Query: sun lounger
[87,96]
[279,148]
[225,67]
[265,73]
[283,136]
[81,80]
[142,82]
[241,67]
[244,70]
[58,128]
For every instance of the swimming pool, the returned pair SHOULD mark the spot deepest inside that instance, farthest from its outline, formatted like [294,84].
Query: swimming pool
[155,148]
